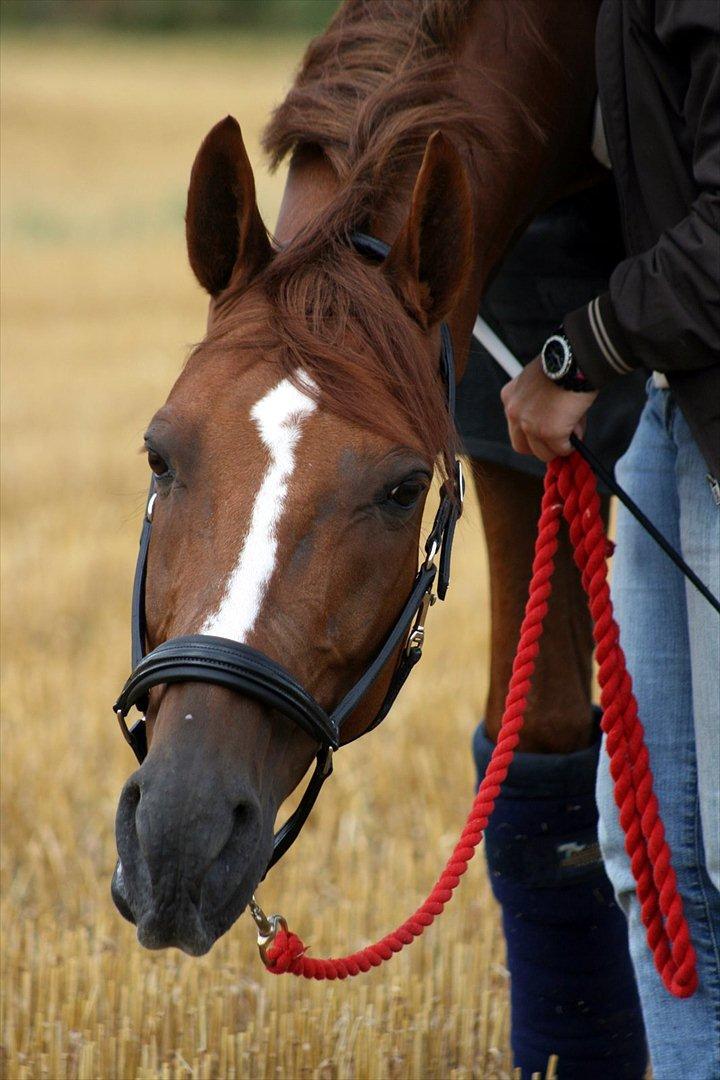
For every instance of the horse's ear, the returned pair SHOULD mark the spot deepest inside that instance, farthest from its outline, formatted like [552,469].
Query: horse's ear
[226,237]
[430,259]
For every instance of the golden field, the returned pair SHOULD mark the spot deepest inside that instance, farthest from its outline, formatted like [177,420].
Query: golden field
[99,308]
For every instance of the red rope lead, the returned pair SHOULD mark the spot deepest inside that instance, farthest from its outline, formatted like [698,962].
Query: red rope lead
[570,490]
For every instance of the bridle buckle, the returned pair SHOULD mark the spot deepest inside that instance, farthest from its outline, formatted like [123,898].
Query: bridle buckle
[123,725]
[431,554]
[460,483]
[416,637]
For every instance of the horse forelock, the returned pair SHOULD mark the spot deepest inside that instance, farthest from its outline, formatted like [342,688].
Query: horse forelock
[335,328]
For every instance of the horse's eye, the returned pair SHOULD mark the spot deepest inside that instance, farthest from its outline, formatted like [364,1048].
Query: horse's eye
[406,494]
[158,465]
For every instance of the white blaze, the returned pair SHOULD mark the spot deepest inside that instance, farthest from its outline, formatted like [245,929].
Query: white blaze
[278,415]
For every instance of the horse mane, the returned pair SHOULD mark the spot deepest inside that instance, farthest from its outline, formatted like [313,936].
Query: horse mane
[374,86]
[370,91]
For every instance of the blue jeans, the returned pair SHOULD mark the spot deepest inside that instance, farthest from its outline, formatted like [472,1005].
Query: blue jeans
[671,637]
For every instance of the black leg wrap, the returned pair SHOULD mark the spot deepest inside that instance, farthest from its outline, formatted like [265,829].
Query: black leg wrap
[572,986]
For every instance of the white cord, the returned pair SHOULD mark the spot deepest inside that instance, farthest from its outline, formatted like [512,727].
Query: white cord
[497,348]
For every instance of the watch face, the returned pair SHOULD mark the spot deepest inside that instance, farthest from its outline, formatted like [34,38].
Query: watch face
[557,357]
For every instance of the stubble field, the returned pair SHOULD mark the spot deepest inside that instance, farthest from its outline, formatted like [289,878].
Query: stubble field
[99,309]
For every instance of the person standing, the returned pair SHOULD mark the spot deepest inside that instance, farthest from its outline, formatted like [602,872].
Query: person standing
[572,986]
[659,86]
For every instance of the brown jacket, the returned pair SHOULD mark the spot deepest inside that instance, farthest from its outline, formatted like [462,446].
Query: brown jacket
[659,81]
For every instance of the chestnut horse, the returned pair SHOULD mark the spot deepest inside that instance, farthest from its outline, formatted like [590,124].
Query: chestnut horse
[294,454]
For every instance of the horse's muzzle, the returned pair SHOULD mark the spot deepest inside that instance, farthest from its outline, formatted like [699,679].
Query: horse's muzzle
[189,859]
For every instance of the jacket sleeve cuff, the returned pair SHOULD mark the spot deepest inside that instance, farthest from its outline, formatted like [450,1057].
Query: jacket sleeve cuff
[598,342]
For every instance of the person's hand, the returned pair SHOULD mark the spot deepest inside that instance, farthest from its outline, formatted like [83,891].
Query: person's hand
[542,417]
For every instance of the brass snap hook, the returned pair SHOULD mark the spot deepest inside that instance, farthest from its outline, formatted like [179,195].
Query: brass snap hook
[268,927]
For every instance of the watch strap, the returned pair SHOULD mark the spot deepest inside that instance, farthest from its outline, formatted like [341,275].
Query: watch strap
[575,380]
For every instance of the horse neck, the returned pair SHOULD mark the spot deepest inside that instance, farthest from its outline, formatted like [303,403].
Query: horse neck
[536,89]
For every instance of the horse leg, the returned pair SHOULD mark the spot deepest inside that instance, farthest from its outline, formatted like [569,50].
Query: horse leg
[572,987]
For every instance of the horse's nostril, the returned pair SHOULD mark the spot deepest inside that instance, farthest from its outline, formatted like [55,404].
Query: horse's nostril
[127,809]
[245,830]
[132,796]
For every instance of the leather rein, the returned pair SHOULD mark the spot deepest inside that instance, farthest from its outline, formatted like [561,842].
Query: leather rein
[244,670]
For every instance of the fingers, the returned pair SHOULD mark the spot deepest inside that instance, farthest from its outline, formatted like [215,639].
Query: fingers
[525,439]
[546,451]
[518,441]
[542,416]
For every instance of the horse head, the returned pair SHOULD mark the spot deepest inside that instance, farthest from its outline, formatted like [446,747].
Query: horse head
[291,464]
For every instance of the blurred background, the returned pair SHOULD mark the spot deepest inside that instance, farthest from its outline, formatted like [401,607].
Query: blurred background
[166,16]
[104,103]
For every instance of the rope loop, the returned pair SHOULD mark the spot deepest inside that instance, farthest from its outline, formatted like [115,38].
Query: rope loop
[571,493]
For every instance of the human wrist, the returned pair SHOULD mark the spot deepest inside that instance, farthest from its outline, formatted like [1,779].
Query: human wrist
[560,366]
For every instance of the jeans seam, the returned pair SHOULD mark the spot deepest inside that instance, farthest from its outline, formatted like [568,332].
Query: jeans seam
[713,953]
[670,414]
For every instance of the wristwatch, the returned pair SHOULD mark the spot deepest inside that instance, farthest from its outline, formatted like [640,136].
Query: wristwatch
[560,365]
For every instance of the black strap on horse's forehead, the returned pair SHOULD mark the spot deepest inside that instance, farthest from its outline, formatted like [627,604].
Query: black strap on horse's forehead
[370,245]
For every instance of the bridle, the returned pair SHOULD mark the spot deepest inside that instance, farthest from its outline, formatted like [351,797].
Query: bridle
[244,670]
